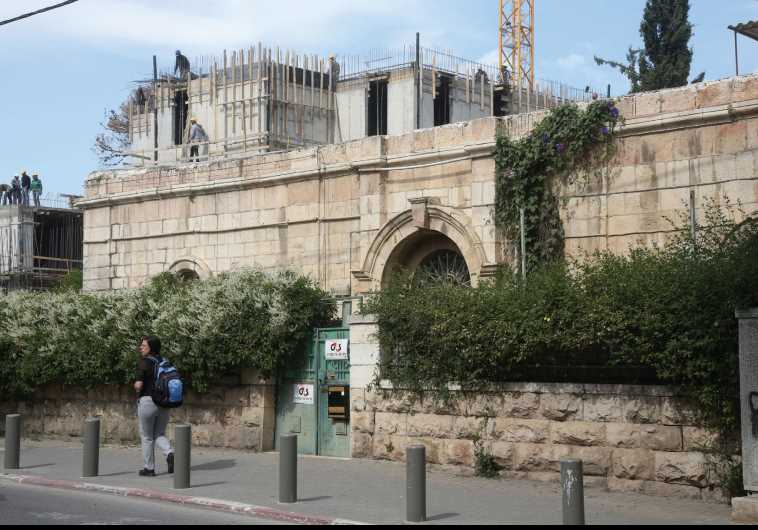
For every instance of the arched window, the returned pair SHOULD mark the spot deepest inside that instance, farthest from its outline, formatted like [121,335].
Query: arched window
[443,266]
[187,275]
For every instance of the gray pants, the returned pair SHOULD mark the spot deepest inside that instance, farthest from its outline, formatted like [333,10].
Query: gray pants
[153,421]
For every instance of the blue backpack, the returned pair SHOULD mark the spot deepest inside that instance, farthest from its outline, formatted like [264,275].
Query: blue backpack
[168,388]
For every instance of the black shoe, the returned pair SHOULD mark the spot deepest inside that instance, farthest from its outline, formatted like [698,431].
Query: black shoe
[170,462]
[146,473]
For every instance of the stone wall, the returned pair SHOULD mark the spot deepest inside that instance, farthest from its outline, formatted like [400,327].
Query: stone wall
[240,416]
[631,438]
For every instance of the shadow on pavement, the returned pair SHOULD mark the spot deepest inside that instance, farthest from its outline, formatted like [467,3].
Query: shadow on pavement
[207,485]
[215,466]
[35,467]
[314,499]
[442,516]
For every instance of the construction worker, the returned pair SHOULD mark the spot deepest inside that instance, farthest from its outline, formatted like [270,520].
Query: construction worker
[26,184]
[196,137]
[334,70]
[182,65]
[36,188]
[5,193]
[15,190]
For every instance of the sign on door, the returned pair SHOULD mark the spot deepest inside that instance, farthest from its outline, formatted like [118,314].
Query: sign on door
[337,350]
[304,395]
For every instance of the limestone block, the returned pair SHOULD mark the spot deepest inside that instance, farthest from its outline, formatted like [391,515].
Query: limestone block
[429,425]
[521,431]
[486,405]
[661,438]
[681,468]
[532,457]
[603,409]
[596,460]
[251,417]
[745,510]
[387,447]
[623,435]
[503,453]
[471,428]
[435,448]
[362,422]
[388,423]
[697,439]
[678,100]
[560,407]
[633,464]
[459,452]
[660,489]
[713,94]
[578,433]
[520,405]
[361,445]
[731,138]
[677,412]
[643,410]
[648,104]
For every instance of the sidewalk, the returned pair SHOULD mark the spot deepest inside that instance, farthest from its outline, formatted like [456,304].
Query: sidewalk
[333,490]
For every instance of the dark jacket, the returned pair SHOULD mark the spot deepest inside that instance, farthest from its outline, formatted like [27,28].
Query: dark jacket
[26,181]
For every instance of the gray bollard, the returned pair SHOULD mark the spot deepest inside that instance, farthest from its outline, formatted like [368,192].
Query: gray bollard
[572,484]
[12,441]
[288,468]
[182,456]
[416,484]
[91,456]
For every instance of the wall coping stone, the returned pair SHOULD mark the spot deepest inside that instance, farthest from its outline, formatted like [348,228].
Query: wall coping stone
[567,388]
[746,314]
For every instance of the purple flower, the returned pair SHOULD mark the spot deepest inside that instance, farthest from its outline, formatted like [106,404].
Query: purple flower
[545,138]
[605,131]
[560,147]
[615,112]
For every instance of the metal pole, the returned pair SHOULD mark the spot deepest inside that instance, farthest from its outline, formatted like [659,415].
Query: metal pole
[419,73]
[416,484]
[155,105]
[12,441]
[91,456]
[182,456]
[523,242]
[288,468]
[609,91]
[572,485]
[736,55]
[693,219]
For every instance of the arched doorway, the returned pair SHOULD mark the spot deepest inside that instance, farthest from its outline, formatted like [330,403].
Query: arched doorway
[430,257]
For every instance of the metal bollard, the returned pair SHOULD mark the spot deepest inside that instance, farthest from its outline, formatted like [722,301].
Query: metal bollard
[91,456]
[12,441]
[182,456]
[416,484]
[572,484]
[288,468]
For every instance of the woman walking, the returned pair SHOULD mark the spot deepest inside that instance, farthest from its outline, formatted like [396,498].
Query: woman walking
[153,420]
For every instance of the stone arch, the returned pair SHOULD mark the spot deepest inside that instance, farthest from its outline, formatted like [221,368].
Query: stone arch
[432,227]
[190,266]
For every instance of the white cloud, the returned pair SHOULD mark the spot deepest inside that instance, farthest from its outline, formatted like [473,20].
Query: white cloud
[572,61]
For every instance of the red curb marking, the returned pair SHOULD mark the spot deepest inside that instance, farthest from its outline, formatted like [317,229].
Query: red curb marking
[239,508]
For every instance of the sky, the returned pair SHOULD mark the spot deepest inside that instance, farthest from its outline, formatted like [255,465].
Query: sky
[62,70]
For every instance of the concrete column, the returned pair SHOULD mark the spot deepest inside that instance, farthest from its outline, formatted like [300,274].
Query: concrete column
[748,326]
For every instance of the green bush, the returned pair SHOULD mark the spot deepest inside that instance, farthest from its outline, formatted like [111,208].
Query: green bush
[668,310]
[244,319]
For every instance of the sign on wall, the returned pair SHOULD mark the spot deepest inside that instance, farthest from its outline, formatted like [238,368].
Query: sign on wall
[337,350]
[304,394]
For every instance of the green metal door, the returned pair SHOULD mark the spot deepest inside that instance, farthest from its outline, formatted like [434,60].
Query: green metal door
[314,396]
[334,392]
[296,411]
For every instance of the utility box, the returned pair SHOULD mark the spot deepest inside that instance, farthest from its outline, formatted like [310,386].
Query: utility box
[748,325]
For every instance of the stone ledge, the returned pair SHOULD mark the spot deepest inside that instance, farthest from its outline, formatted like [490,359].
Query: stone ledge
[745,509]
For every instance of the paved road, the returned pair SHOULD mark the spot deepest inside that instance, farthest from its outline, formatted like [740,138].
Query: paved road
[24,505]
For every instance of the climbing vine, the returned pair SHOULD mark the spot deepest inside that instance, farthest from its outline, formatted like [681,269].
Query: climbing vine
[569,144]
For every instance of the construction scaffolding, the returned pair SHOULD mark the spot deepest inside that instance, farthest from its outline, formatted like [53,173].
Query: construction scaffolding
[39,246]
[266,99]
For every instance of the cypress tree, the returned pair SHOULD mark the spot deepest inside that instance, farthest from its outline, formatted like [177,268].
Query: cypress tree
[665,59]
[666,31]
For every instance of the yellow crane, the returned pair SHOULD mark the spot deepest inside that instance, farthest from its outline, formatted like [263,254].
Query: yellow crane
[517,41]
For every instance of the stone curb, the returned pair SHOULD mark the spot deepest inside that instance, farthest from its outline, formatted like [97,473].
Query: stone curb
[200,502]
